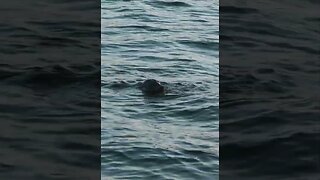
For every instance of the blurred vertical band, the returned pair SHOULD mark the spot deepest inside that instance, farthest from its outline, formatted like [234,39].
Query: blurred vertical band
[50,89]
[269,89]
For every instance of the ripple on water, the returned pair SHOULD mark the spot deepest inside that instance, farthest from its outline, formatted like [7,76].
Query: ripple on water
[163,137]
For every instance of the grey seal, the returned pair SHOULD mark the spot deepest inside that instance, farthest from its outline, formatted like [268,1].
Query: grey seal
[152,87]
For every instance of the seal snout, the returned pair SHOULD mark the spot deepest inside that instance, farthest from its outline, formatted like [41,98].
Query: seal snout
[152,87]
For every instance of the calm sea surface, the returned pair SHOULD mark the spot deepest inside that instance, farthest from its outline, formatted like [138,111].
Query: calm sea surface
[165,137]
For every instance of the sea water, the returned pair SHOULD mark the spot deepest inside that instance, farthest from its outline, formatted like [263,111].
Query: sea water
[174,136]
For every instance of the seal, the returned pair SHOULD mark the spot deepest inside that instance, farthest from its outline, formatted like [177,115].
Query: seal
[152,87]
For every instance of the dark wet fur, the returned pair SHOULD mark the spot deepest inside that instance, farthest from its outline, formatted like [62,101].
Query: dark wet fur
[152,87]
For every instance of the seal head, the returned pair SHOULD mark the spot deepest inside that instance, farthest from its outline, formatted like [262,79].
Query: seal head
[152,87]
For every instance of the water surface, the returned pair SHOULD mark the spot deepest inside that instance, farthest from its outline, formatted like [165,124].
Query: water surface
[50,90]
[269,89]
[165,137]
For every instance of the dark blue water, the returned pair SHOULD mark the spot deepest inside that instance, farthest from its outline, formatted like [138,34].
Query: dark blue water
[50,90]
[269,90]
[174,136]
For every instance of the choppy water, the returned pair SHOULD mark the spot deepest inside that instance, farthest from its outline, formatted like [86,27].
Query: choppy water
[167,137]
[269,79]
